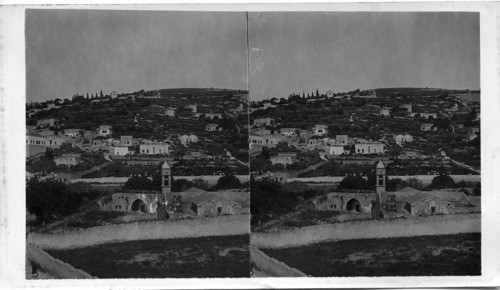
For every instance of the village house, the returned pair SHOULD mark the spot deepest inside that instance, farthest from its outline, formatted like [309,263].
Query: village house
[341,140]
[263,122]
[281,177]
[288,131]
[408,107]
[385,112]
[424,115]
[126,140]
[401,139]
[284,158]
[193,108]
[335,150]
[46,123]
[256,139]
[153,149]
[426,127]
[320,130]
[211,127]
[369,148]
[35,143]
[55,141]
[186,139]
[68,159]
[209,204]
[104,130]
[268,105]
[315,141]
[33,138]
[329,94]
[170,112]
[72,132]
[271,140]
[99,141]
[120,150]
[261,131]
[113,95]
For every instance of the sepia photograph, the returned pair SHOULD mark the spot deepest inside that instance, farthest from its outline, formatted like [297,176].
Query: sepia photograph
[136,144]
[365,144]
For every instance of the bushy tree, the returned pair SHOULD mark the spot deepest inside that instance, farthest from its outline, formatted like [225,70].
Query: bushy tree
[139,182]
[353,181]
[442,181]
[228,181]
[415,183]
[181,184]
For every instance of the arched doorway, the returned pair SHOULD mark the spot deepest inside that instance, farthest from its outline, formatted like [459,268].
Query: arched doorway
[139,205]
[353,204]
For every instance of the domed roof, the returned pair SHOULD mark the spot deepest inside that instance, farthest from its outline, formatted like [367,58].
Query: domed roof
[165,165]
[380,165]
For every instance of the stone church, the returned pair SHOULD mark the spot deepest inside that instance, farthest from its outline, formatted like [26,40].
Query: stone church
[190,202]
[381,204]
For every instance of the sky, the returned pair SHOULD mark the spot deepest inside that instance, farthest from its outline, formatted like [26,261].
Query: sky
[295,52]
[74,52]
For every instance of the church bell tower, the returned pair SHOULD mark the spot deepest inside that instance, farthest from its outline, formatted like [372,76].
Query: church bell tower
[166,191]
[379,189]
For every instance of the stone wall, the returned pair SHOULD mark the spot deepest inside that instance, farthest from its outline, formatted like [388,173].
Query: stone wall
[434,225]
[271,266]
[55,267]
[216,226]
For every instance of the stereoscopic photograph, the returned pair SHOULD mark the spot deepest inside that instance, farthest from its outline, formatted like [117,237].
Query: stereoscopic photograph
[136,144]
[365,144]
[252,144]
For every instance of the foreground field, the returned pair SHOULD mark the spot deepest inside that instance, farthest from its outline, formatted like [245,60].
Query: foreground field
[226,256]
[446,255]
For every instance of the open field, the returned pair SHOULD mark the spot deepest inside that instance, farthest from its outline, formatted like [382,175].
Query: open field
[224,256]
[446,255]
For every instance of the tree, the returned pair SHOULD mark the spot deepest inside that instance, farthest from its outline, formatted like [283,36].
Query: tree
[442,181]
[415,183]
[139,182]
[228,181]
[45,199]
[182,184]
[353,181]
[266,198]
[101,94]
[201,183]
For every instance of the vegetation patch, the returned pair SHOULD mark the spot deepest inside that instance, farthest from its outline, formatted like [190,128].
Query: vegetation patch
[206,257]
[445,255]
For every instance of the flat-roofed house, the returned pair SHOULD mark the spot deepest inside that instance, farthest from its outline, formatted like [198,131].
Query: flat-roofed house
[186,139]
[263,122]
[105,130]
[120,150]
[72,132]
[320,130]
[288,131]
[400,139]
[369,148]
[126,140]
[341,140]
[55,141]
[46,122]
[284,158]
[153,149]
[211,127]
[68,159]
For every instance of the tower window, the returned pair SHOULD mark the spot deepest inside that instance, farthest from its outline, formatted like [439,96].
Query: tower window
[380,180]
[165,180]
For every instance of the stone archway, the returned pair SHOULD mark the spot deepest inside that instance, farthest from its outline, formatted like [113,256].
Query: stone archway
[139,206]
[353,204]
